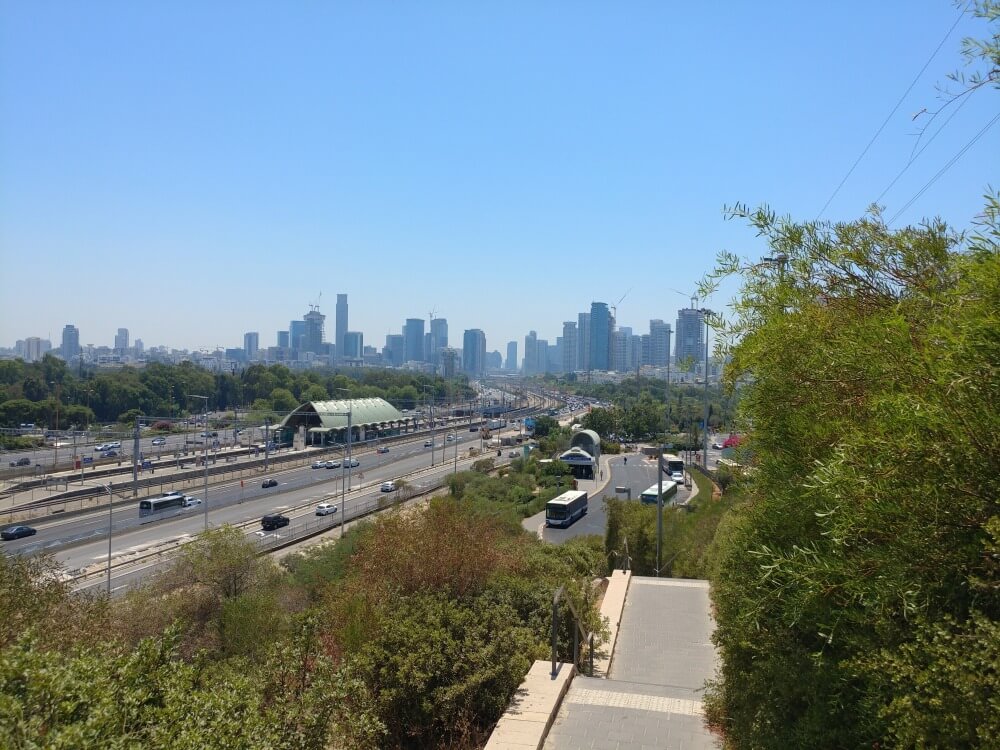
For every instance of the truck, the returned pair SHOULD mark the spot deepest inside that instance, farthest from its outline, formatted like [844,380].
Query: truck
[496,424]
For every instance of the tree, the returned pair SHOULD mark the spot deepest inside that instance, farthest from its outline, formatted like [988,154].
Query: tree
[872,402]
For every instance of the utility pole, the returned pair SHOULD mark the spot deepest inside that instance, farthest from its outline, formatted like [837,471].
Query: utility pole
[135,459]
[659,509]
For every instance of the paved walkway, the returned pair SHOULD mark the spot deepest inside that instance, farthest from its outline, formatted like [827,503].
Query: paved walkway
[652,697]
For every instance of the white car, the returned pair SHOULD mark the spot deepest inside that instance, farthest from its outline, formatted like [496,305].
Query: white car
[159,441]
[325,509]
[191,501]
[388,486]
[319,464]
[333,464]
[100,448]
[352,463]
[115,444]
[677,476]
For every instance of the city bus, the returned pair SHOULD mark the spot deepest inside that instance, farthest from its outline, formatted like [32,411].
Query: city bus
[164,502]
[669,493]
[673,463]
[565,509]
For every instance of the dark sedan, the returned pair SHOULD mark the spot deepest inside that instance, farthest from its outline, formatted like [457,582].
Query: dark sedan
[16,532]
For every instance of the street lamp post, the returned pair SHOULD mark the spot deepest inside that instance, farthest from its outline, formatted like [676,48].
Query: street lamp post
[111,502]
[431,409]
[204,459]
[345,486]
[704,456]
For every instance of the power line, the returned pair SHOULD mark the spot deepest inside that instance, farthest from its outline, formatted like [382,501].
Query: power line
[889,116]
[922,149]
[945,168]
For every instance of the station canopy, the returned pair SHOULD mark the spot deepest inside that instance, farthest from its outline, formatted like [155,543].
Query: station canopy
[332,415]
[588,440]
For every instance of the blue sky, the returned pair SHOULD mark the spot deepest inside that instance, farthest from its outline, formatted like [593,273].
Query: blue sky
[192,171]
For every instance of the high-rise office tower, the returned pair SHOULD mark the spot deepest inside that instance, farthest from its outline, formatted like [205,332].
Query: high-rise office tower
[340,325]
[283,339]
[583,342]
[438,338]
[531,353]
[297,335]
[313,335]
[413,336]
[121,340]
[70,342]
[512,356]
[251,345]
[541,356]
[569,342]
[474,352]
[138,347]
[354,345]
[32,349]
[394,352]
[690,334]
[659,342]
[600,336]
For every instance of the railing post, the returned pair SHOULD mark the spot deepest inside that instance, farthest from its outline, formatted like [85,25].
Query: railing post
[555,626]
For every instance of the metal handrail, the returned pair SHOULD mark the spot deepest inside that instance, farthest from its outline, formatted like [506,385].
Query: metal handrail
[577,632]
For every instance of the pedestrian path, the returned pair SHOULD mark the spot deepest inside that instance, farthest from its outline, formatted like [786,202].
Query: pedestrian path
[652,697]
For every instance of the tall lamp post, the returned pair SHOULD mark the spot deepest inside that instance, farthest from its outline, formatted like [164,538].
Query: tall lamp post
[350,437]
[704,456]
[204,453]
[111,502]
[430,400]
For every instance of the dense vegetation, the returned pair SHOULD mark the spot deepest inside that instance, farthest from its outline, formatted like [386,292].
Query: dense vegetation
[38,392]
[412,632]
[857,589]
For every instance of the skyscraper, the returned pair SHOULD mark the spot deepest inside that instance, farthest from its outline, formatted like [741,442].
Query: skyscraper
[439,338]
[354,345]
[474,352]
[541,356]
[283,339]
[659,342]
[70,342]
[583,342]
[512,355]
[340,325]
[690,334]
[251,345]
[569,342]
[600,336]
[531,353]
[313,335]
[394,352]
[297,335]
[121,340]
[413,336]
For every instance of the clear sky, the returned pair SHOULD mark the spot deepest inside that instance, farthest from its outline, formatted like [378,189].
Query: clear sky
[195,170]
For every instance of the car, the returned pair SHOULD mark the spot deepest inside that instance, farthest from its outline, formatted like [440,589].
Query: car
[319,464]
[333,464]
[388,487]
[428,443]
[100,448]
[352,462]
[16,532]
[717,446]
[274,521]
[325,509]
[450,438]
[190,502]
[22,461]
[269,483]
[383,449]
[514,454]
[115,444]
[109,454]
[473,429]
[677,476]
[159,441]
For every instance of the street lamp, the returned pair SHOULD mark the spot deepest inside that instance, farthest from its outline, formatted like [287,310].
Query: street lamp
[55,458]
[344,487]
[430,399]
[111,502]
[204,453]
[704,456]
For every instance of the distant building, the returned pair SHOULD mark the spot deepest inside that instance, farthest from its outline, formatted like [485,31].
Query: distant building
[494,361]
[313,336]
[438,338]
[251,345]
[531,353]
[354,345]
[70,342]
[297,335]
[541,356]
[394,352]
[659,343]
[512,355]
[601,325]
[340,326]
[690,344]
[569,344]
[283,340]
[32,349]
[413,338]
[121,340]
[474,352]
[583,342]
[449,362]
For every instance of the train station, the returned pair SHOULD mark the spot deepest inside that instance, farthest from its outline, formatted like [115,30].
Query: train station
[325,422]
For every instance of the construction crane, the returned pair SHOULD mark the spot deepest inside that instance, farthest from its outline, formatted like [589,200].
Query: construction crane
[315,305]
[614,307]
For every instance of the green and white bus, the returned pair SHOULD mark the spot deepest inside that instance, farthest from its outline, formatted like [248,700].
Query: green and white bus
[565,509]
[669,493]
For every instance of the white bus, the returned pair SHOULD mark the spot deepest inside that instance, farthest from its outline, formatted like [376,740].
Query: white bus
[565,509]
[669,493]
[164,502]
[673,463]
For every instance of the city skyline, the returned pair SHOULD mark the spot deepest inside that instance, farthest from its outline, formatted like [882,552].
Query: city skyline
[502,167]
